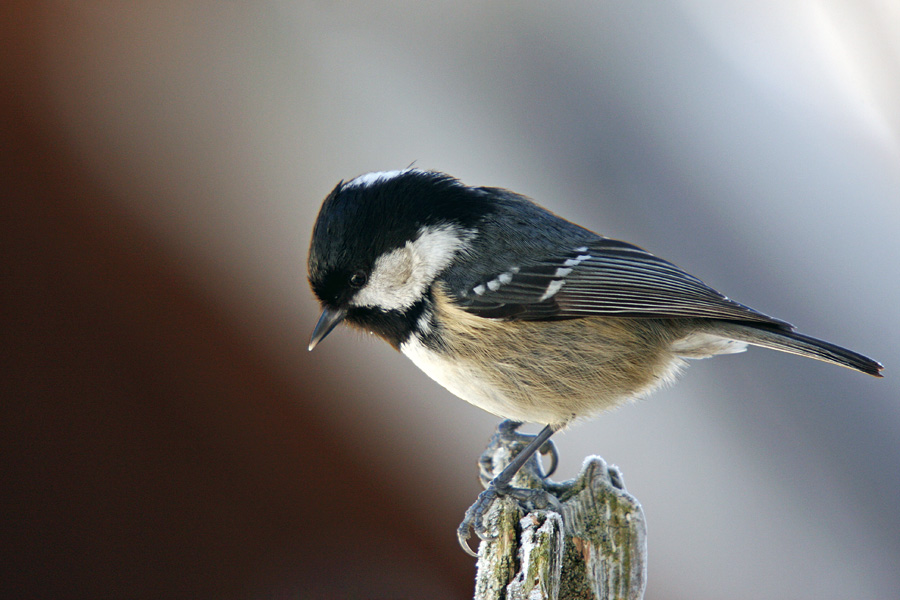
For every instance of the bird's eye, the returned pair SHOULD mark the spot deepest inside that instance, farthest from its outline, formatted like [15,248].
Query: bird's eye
[358,279]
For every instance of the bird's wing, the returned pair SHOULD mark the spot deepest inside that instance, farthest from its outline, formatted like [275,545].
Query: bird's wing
[603,277]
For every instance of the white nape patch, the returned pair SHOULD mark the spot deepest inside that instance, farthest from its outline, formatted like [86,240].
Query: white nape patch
[704,345]
[374,177]
[400,277]
[552,289]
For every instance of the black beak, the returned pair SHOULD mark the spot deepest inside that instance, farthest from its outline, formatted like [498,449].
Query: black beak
[331,318]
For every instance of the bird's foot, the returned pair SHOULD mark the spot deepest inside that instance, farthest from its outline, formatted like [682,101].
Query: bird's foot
[509,459]
[474,520]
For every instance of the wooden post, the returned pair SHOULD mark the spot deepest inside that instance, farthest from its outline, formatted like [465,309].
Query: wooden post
[597,548]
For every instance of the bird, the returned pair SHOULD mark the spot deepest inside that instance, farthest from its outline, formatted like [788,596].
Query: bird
[517,310]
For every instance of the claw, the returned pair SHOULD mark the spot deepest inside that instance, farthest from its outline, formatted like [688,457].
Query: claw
[549,447]
[464,542]
[474,520]
[462,534]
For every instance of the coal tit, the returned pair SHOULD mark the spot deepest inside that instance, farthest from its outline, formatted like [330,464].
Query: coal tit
[516,310]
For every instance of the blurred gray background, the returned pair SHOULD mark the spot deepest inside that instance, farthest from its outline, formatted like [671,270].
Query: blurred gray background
[755,144]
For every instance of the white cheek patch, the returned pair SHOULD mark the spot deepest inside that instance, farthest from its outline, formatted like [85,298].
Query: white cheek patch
[400,277]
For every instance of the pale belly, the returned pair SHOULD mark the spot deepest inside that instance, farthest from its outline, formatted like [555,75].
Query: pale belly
[594,365]
[480,389]
[541,394]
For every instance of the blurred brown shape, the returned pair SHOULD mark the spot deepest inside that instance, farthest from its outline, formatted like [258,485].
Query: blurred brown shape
[147,449]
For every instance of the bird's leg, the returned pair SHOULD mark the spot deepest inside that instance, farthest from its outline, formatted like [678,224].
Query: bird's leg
[500,485]
[507,434]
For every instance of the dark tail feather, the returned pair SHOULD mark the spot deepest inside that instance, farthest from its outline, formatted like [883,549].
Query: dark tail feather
[797,343]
